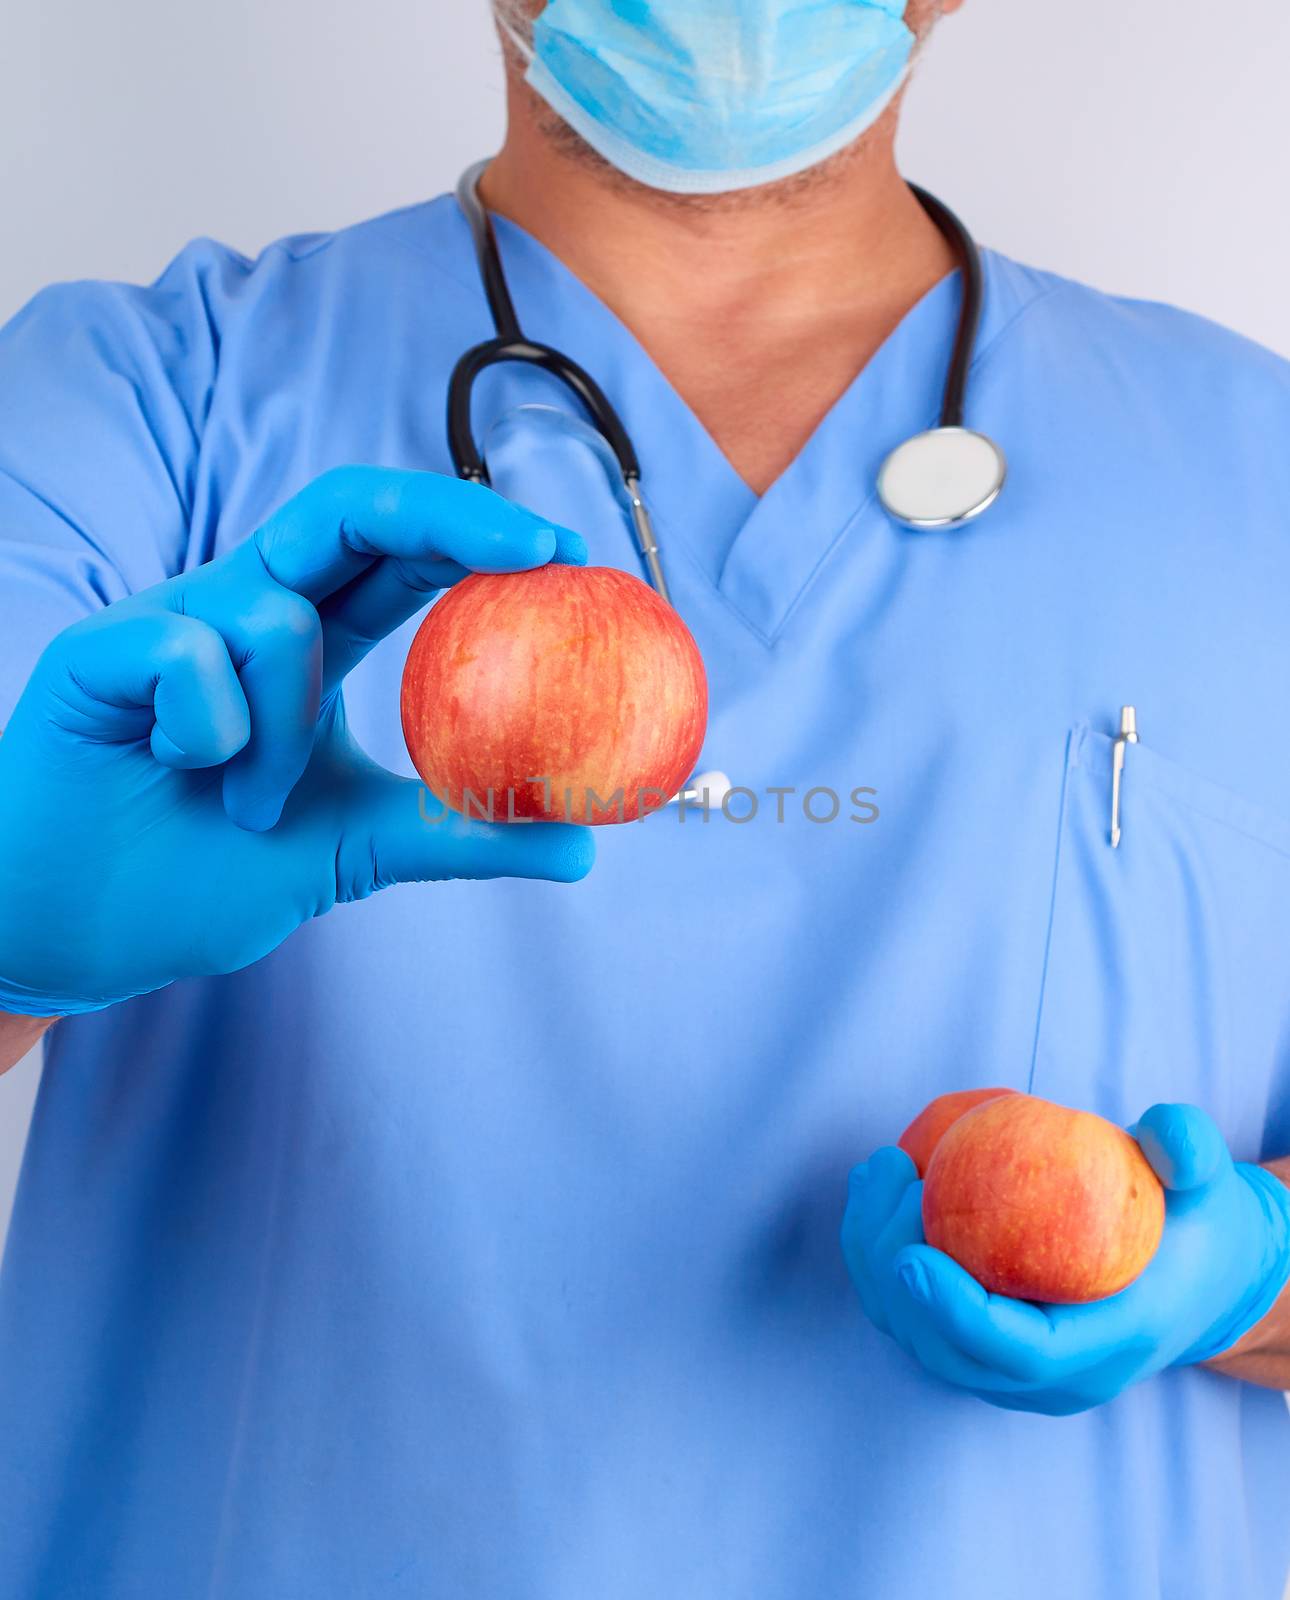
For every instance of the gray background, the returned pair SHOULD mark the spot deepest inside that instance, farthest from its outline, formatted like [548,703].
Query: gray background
[1141,145]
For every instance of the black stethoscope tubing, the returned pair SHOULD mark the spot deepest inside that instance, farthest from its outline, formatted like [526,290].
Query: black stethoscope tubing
[510,344]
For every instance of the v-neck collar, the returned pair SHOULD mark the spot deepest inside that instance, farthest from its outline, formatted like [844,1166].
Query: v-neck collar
[759,553]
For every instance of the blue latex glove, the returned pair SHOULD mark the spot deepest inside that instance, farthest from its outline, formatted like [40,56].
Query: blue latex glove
[1223,1259]
[178,787]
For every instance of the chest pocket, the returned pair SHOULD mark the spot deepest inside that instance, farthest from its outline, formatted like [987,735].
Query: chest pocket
[1167,974]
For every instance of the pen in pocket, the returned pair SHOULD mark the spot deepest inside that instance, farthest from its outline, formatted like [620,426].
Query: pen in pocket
[1127,735]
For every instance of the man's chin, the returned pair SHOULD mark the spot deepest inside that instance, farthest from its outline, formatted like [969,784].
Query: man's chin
[566,142]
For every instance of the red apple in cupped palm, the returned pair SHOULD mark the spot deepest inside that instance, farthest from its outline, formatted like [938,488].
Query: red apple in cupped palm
[923,1134]
[1041,1202]
[569,694]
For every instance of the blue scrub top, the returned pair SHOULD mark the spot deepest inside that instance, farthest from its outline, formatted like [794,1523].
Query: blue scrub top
[482,1241]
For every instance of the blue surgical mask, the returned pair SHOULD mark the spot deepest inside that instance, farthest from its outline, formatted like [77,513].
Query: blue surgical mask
[702,96]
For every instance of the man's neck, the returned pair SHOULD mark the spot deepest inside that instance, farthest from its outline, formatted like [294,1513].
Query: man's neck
[760,308]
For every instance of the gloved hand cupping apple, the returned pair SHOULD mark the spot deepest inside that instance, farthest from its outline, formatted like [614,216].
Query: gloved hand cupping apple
[178,787]
[1222,1258]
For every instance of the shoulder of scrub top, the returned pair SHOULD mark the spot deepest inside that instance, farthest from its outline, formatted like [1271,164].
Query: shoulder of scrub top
[1170,346]
[1164,382]
[106,387]
[112,477]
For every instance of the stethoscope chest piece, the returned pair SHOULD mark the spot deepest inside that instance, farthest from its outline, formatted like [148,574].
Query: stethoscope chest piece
[941,478]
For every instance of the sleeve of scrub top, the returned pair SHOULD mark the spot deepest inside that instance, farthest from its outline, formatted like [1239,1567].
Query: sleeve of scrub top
[103,393]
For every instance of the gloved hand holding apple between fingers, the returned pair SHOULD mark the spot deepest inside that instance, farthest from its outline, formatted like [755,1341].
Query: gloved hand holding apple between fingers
[178,787]
[1099,1259]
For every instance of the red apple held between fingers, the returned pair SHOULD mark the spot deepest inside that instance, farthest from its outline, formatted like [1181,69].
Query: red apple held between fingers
[571,694]
[1041,1202]
[923,1134]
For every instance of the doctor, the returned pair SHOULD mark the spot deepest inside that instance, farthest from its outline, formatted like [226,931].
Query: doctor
[481,1239]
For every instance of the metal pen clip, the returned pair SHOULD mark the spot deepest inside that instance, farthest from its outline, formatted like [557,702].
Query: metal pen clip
[1127,735]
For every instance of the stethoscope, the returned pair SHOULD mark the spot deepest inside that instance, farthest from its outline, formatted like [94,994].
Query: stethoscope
[941,478]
